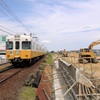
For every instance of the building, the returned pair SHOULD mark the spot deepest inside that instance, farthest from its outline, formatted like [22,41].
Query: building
[3,46]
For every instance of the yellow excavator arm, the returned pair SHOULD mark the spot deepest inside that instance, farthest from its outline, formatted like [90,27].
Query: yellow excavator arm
[93,44]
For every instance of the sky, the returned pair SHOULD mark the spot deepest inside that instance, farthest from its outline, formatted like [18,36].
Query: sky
[58,24]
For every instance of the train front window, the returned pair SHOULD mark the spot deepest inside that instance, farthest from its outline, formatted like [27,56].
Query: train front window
[9,45]
[17,45]
[26,45]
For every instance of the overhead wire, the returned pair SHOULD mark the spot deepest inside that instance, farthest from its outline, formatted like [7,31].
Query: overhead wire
[7,29]
[3,12]
[7,8]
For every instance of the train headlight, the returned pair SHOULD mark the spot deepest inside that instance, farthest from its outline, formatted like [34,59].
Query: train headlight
[26,55]
[8,55]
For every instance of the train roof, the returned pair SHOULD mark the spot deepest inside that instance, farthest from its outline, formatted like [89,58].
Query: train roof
[21,36]
[12,37]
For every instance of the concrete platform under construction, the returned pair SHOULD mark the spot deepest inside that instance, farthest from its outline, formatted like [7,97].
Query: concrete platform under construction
[59,85]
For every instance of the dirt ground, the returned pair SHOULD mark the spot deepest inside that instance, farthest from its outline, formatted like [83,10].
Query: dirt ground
[5,66]
[93,69]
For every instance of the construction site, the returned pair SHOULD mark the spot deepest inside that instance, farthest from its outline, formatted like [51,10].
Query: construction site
[68,79]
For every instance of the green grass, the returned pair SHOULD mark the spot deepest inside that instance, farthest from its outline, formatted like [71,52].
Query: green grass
[28,93]
[49,59]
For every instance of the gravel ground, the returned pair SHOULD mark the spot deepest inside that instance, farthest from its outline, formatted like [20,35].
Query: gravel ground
[10,89]
[5,66]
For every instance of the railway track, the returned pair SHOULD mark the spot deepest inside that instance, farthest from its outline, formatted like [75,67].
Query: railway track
[4,63]
[13,80]
[8,74]
[5,69]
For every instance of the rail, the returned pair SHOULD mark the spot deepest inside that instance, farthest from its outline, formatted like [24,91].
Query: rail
[3,80]
[7,68]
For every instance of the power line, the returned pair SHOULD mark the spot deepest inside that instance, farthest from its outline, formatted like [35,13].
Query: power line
[7,8]
[6,32]
[7,29]
[3,12]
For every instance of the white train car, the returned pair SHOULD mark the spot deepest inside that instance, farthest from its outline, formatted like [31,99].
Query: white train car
[22,49]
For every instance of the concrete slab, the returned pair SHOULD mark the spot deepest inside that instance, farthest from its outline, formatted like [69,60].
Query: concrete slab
[57,83]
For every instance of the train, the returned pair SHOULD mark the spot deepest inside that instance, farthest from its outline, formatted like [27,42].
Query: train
[23,49]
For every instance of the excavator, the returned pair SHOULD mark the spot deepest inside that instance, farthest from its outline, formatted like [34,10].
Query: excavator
[86,55]
[64,53]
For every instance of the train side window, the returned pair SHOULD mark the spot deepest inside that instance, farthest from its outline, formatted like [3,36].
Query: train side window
[34,46]
[17,45]
[29,43]
[26,45]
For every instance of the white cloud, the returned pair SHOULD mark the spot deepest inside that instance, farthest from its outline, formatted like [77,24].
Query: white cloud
[69,24]
[45,41]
